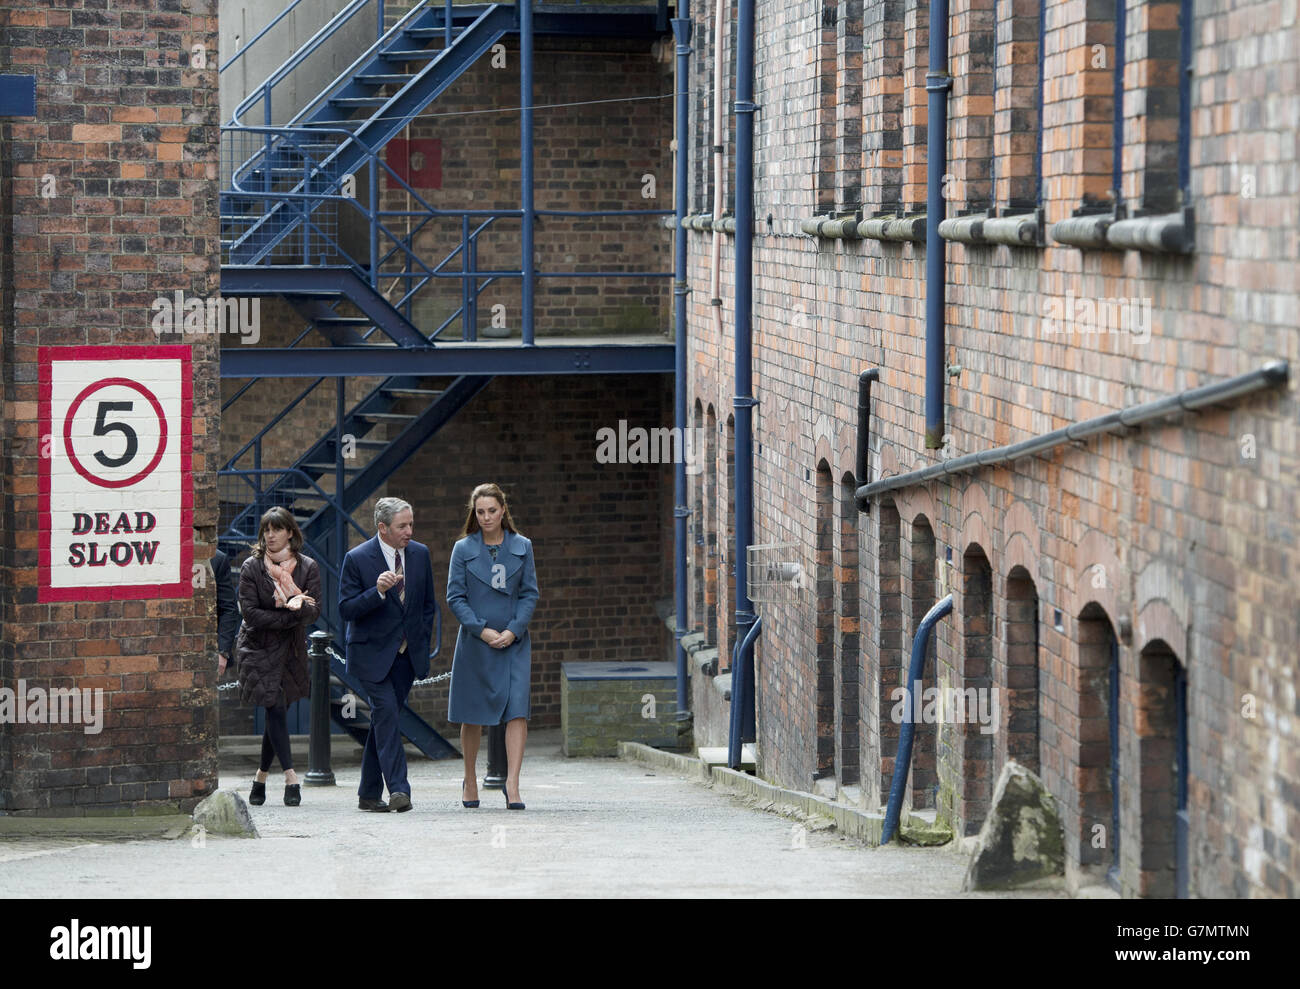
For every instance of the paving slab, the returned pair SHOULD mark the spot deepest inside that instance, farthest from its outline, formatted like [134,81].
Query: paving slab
[593,827]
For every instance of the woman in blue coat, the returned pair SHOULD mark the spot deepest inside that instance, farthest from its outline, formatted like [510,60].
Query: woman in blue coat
[492,591]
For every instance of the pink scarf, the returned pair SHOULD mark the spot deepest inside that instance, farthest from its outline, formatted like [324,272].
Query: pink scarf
[281,566]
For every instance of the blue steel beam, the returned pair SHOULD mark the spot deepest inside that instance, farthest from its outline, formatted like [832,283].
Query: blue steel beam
[237,280]
[333,362]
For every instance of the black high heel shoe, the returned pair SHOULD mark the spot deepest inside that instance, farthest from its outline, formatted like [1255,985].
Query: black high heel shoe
[292,794]
[257,796]
[511,804]
[463,801]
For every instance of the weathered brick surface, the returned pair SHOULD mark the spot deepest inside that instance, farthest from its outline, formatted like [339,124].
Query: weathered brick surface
[127,127]
[1180,537]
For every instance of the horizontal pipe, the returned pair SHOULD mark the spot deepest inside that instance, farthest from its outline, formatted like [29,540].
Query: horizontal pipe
[1271,374]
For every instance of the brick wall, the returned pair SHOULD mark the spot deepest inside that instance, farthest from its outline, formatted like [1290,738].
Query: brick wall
[1178,540]
[127,128]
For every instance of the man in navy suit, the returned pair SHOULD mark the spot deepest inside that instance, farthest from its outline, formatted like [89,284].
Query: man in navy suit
[386,596]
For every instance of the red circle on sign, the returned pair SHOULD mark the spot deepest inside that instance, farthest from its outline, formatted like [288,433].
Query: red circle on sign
[72,412]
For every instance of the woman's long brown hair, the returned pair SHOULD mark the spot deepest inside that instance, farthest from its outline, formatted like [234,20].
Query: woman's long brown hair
[488,490]
[278,518]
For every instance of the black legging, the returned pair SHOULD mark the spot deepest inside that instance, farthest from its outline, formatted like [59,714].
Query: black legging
[275,739]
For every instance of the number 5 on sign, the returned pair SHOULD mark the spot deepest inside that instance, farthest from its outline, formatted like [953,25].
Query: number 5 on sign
[116,496]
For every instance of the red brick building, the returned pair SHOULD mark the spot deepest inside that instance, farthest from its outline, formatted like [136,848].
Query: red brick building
[1172,544]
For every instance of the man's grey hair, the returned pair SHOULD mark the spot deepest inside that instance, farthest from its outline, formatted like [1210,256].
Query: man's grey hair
[386,509]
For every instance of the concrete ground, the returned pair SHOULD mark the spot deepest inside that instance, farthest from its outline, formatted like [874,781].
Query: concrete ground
[593,828]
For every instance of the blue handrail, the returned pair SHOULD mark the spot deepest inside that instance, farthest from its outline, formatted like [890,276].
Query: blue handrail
[258,37]
[903,760]
[263,91]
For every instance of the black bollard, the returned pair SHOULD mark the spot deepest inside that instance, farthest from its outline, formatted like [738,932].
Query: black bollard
[319,772]
[496,771]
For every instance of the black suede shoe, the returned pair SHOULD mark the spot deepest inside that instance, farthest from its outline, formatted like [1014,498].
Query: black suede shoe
[378,806]
[257,796]
[292,794]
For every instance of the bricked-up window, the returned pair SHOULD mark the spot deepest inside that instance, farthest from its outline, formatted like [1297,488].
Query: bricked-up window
[916,35]
[1160,771]
[825,622]
[850,663]
[889,637]
[711,529]
[925,776]
[702,64]
[1152,109]
[729,552]
[882,105]
[1017,115]
[1097,838]
[974,678]
[699,549]
[971,123]
[849,106]
[1099,68]
[826,106]
[1020,708]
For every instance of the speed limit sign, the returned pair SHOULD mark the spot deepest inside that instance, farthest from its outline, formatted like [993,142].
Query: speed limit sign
[116,496]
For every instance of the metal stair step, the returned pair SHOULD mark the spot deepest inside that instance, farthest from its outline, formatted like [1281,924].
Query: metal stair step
[359,101]
[328,466]
[302,493]
[344,321]
[414,392]
[384,79]
[406,55]
[383,416]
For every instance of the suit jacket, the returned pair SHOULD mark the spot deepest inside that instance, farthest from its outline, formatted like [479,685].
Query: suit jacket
[227,609]
[376,626]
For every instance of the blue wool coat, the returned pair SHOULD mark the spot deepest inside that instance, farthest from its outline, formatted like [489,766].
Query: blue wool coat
[489,685]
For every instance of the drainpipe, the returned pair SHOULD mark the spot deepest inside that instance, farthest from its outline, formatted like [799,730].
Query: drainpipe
[862,466]
[743,723]
[903,760]
[719,164]
[682,33]
[526,163]
[937,84]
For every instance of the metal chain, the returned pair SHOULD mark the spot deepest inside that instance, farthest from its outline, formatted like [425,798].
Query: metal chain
[426,682]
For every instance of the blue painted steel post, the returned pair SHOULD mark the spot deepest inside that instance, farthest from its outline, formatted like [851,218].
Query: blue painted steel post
[374,221]
[682,33]
[906,734]
[526,161]
[379,11]
[937,84]
[464,282]
[1117,119]
[446,13]
[340,483]
[744,402]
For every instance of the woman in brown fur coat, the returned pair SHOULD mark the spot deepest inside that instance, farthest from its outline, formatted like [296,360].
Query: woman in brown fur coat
[279,589]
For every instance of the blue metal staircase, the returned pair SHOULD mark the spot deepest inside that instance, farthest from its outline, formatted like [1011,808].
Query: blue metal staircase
[288,192]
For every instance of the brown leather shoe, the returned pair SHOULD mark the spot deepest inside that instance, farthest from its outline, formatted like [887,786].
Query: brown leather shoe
[399,802]
[378,806]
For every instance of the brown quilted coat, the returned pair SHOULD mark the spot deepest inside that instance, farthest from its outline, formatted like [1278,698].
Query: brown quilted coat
[271,648]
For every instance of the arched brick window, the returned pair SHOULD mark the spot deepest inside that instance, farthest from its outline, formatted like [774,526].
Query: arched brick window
[974,747]
[889,635]
[850,664]
[1020,702]
[925,776]
[825,541]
